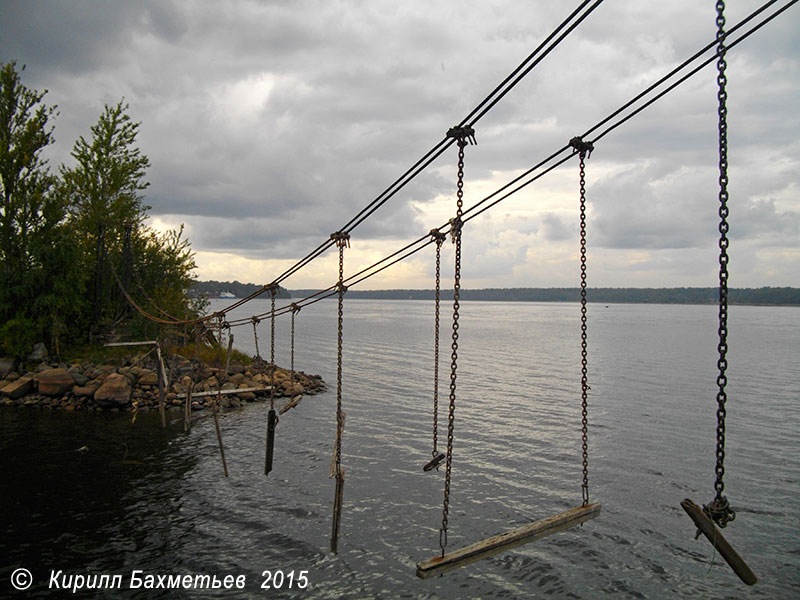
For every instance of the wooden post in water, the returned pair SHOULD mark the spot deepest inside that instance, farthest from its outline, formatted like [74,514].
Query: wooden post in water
[214,404]
[706,526]
[161,386]
[187,409]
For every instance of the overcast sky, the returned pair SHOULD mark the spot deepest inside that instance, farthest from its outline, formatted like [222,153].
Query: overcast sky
[270,124]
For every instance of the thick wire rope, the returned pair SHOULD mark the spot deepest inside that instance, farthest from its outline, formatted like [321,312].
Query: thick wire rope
[480,207]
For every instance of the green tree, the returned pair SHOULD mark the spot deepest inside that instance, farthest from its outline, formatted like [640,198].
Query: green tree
[40,275]
[103,192]
[25,181]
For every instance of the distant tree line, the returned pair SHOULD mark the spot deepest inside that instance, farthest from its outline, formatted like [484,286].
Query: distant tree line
[67,238]
[765,295]
[212,289]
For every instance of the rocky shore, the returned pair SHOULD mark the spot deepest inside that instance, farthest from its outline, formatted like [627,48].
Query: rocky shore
[133,386]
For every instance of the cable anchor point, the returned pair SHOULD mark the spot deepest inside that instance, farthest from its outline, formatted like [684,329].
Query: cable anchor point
[342,239]
[581,147]
[464,134]
[455,228]
[719,511]
[437,236]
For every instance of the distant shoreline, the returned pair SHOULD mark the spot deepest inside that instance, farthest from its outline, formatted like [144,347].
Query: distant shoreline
[697,296]
[764,296]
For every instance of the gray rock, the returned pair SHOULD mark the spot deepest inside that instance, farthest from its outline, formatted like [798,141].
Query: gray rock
[115,391]
[39,352]
[54,382]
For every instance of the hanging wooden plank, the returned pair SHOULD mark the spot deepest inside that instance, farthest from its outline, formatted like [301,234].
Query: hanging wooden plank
[706,526]
[337,511]
[272,421]
[187,409]
[162,386]
[510,539]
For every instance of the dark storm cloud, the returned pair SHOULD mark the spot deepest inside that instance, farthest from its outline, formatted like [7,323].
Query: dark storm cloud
[271,124]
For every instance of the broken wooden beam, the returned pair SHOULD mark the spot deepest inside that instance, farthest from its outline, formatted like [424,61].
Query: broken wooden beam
[505,541]
[706,526]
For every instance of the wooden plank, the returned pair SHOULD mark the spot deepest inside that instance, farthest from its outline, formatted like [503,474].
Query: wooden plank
[162,386]
[226,392]
[505,541]
[706,526]
[117,344]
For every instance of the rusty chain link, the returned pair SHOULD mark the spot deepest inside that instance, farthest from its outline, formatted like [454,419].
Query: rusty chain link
[463,136]
[719,509]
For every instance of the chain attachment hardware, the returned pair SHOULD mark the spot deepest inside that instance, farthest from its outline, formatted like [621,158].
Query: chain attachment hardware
[464,134]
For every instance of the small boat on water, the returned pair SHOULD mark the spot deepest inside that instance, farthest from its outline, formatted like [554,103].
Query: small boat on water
[227,295]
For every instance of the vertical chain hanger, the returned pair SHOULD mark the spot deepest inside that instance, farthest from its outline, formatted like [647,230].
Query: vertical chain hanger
[463,136]
[584,150]
[436,457]
[342,240]
[719,509]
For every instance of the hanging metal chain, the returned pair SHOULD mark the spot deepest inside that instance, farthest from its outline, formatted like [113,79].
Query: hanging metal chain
[342,240]
[255,322]
[719,509]
[584,150]
[463,135]
[272,349]
[439,238]
[295,310]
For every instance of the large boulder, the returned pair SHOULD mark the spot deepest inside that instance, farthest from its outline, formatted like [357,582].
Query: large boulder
[115,391]
[148,377]
[54,382]
[18,388]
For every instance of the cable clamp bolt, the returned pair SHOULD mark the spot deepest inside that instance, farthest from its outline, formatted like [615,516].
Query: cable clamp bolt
[465,132]
[581,147]
[342,239]
[438,236]
[455,228]
[295,308]
[341,287]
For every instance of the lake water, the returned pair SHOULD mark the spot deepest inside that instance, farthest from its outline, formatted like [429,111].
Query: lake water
[143,498]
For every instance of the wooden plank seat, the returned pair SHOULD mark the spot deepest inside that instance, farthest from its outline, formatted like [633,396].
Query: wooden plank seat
[505,541]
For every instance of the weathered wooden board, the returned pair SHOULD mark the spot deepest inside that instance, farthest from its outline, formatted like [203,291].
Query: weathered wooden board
[226,392]
[714,535]
[510,539]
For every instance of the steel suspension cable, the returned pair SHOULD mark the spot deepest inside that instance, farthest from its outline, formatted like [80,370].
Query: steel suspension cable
[480,207]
